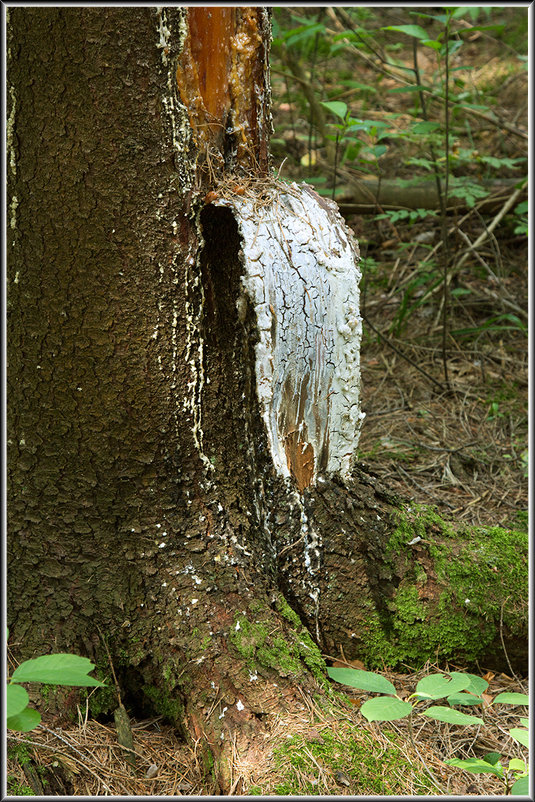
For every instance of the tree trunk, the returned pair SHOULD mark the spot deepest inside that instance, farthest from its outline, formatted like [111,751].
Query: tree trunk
[176,487]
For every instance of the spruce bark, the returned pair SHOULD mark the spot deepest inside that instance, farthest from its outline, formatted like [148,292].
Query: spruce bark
[142,499]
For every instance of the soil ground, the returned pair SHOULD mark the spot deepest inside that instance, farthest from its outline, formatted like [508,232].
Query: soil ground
[457,440]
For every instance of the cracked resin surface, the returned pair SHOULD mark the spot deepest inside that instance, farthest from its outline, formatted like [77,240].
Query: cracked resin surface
[301,275]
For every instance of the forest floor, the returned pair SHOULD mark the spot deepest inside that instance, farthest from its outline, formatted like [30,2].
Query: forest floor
[463,448]
[446,399]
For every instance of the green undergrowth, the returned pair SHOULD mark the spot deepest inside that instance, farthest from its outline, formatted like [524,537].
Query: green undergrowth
[349,759]
[18,753]
[458,587]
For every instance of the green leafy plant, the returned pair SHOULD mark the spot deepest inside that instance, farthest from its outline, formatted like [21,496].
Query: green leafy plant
[52,669]
[459,689]
[349,147]
[521,212]
[515,776]
[442,140]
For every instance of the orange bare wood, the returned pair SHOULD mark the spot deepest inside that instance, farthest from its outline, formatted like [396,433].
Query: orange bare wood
[211,30]
[222,80]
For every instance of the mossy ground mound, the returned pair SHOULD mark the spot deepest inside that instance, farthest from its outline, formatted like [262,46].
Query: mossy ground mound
[463,590]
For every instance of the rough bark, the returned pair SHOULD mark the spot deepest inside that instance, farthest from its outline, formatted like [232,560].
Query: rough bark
[143,500]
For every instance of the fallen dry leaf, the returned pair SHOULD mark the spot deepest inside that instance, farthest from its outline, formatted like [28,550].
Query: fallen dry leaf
[349,664]
[487,700]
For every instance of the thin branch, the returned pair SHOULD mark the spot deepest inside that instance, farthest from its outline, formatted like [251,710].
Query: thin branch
[490,228]
[25,741]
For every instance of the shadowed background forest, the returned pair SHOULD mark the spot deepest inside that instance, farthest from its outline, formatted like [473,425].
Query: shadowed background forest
[426,153]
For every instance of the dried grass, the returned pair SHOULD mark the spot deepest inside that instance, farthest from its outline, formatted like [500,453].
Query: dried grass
[89,756]
[94,763]
[446,449]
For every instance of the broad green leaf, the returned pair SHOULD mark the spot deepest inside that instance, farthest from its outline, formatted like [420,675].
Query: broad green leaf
[358,85]
[511,699]
[385,708]
[425,127]
[431,43]
[302,33]
[436,686]
[515,764]
[56,669]
[16,700]
[451,716]
[24,721]
[399,89]
[520,787]
[521,736]
[475,765]
[336,107]
[461,11]
[475,106]
[492,757]
[411,30]
[497,28]
[524,722]
[442,18]
[463,699]
[478,685]
[364,680]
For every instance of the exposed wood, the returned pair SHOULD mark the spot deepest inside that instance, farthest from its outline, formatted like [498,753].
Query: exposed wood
[223,81]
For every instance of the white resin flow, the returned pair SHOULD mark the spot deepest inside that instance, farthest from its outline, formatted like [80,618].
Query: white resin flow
[301,274]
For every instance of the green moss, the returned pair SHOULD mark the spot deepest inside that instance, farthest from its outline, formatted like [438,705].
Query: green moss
[490,565]
[102,701]
[14,788]
[288,653]
[278,655]
[476,569]
[308,651]
[207,761]
[167,672]
[521,521]
[415,521]
[378,650]
[20,753]
[165,705]
[247,637]
[349,750]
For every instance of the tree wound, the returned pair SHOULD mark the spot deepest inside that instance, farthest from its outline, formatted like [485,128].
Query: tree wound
[301,275]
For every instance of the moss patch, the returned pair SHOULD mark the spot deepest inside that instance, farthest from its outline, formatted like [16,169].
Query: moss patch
[308,651]
[346,759]
[291,653]
[458,587]
[166,705]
